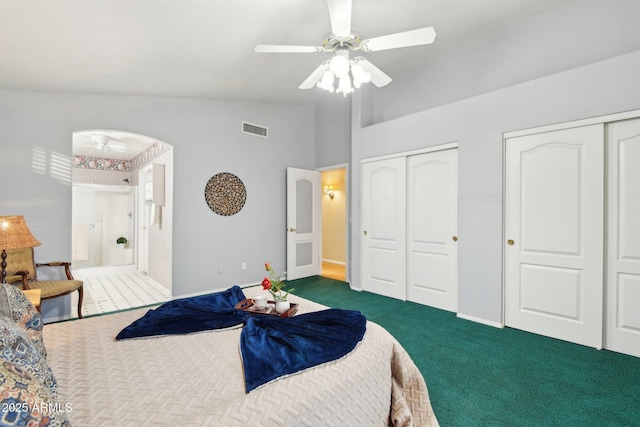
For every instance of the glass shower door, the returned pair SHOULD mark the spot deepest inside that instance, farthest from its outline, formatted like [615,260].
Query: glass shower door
[100,215]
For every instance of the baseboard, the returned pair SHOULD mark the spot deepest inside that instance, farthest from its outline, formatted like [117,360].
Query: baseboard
[58,319]
[248,285]
[211,291]
[330,261]
[478,320]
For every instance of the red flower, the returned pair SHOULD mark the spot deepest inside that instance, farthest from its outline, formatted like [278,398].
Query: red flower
[266,284]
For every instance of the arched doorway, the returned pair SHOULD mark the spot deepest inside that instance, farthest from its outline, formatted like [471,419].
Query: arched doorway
[109,206]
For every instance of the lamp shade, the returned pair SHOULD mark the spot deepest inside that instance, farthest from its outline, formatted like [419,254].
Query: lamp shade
[15,234]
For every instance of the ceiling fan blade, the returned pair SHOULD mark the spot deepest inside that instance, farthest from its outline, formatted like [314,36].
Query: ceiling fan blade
[340,15]
[378,78]
[405,39]
[273,48]
[315,77]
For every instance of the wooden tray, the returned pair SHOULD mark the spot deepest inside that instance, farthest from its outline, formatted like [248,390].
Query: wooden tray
[247,305]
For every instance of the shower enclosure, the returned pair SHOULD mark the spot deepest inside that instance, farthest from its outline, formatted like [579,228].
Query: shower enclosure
[100,215]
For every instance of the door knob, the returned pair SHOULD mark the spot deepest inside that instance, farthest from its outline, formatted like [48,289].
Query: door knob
[454,238]
[292,229]
[510,242]
[364,232]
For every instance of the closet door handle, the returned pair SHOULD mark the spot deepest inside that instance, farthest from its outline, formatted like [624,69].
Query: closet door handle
[292,229]
[510,242]
[454,238]
[364,232]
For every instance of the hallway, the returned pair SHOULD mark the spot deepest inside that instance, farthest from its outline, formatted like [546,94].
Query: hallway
[333,270]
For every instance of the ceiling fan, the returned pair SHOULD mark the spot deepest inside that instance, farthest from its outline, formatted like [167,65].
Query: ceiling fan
[344,40]
[101,142]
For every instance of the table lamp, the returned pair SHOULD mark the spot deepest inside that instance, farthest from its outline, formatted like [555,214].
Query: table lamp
[14,234]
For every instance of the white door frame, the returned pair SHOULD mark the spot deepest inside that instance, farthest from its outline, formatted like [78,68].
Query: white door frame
[142,235]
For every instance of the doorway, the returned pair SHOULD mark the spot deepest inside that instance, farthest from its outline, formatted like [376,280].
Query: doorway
[334,223]
[108,200]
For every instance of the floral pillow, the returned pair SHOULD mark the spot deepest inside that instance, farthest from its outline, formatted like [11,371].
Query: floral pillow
[26,401]
[15,305]
[17,349]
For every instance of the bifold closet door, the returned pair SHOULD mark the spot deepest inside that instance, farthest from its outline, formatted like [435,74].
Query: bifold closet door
[384,227]
[554,234]
[623,245]
[432,275]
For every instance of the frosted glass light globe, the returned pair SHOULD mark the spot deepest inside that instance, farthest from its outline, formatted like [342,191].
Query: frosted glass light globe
[339,66]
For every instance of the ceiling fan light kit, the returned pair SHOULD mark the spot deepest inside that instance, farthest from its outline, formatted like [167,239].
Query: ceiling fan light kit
[350,73]
[359,74]
[99,140]
[338,68]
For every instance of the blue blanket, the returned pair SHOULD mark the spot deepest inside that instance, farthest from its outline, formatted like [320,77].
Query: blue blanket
[271,346]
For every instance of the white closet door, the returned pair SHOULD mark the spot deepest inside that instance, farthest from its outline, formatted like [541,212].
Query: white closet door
[432,229]
[384,227]
[554,228]
[623,250]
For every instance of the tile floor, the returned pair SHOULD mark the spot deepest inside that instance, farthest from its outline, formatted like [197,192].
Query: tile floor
[107,293]
[114,292]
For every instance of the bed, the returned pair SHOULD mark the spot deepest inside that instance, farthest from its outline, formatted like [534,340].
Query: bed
[197,379]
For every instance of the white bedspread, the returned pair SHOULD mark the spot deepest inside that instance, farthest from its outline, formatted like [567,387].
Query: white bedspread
[197,380]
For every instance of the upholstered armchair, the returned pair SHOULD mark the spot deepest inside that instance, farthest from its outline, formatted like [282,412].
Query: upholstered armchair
[21,271]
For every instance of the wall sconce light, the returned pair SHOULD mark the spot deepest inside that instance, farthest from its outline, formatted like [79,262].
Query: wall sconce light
[328,190]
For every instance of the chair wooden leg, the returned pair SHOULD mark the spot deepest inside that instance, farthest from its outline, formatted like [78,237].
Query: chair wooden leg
[80,296]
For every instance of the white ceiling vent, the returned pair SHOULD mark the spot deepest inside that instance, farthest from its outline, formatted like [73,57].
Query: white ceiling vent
[254,129]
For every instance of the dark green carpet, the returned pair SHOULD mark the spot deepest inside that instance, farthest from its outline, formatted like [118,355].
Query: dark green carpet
[478,375]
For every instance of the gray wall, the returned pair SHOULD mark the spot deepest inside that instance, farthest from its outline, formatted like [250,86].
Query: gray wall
[333,131]
[574,34]
[577,61]
[478,124]
[549,69]
[35,159]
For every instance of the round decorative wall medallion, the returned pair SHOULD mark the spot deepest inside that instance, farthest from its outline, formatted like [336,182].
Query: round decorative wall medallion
[225,194]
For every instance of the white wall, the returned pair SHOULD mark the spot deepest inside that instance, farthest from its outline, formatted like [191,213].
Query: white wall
[35,160]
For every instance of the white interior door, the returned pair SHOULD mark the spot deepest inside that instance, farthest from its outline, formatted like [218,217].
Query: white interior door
[384,227]
[554,228]
[432,229]
[303,223]
[622,331]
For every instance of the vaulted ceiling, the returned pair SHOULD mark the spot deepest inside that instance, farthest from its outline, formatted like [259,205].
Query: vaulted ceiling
[204,48]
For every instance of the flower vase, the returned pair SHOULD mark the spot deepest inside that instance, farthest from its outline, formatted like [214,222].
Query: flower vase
[282,306]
